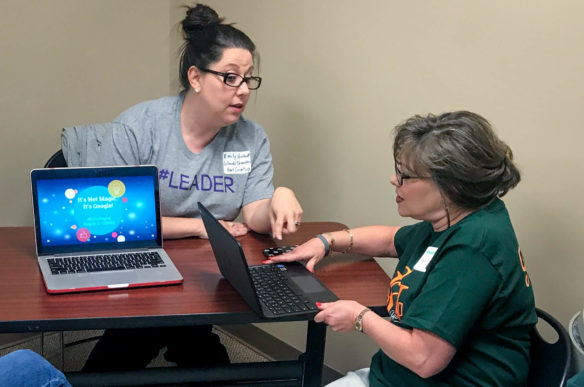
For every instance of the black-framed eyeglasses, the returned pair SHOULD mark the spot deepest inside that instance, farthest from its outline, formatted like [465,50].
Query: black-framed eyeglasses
[236,80]
[400,176]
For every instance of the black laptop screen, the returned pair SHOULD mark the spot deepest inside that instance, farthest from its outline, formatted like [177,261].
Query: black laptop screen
[93,211]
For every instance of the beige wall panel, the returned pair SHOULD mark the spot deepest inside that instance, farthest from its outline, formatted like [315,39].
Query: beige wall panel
[70,62]
[339,74]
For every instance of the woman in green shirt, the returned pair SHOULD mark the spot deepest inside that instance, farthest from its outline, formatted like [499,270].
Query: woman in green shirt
[460,302]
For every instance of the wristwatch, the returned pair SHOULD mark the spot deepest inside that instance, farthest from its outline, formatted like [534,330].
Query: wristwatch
[359,320]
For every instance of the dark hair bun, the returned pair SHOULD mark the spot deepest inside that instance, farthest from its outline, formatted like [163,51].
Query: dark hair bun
[206,36]
[198,18]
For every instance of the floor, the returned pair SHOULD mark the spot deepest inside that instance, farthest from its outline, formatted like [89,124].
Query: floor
[79,344]
[235,338]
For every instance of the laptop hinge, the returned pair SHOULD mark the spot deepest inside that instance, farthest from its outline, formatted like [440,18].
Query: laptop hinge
[99,252]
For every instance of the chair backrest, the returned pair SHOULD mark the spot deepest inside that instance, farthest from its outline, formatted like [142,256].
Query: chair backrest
[57,160]
[550,362]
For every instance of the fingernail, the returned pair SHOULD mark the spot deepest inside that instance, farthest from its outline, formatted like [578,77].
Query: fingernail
[267,261]
[318,304]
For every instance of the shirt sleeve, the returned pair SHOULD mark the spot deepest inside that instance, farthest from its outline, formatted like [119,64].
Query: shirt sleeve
[406,233]
[455,294]
[139,130]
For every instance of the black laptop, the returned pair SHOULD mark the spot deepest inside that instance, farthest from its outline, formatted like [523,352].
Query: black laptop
[272,290]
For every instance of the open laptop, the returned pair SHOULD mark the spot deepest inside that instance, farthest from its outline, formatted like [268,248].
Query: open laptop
[99,228]
[294,290]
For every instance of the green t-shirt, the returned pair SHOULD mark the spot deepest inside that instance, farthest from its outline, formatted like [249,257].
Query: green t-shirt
[467,284]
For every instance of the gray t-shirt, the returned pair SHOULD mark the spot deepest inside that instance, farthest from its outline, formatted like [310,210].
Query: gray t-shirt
[233,170]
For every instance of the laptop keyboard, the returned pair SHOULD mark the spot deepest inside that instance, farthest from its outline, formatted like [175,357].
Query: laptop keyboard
[96,263]
[273,291]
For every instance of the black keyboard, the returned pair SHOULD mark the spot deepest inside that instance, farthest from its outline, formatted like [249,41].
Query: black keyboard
[273,291]
[96,263]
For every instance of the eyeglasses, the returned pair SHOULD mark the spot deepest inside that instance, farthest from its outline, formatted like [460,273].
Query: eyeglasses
[400,176]
[236,80]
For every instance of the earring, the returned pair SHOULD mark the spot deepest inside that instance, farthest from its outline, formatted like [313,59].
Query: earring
[197,91]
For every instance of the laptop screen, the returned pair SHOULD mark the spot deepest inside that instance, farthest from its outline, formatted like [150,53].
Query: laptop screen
[87,209]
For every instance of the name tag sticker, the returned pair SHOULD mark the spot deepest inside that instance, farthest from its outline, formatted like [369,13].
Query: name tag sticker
[425,259]
[235,163]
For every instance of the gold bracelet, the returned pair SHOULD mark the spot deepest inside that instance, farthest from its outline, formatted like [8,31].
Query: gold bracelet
[350,241]
[332,242]
[358,325]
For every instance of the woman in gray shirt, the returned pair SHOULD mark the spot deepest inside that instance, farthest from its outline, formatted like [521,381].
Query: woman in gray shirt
[205,151]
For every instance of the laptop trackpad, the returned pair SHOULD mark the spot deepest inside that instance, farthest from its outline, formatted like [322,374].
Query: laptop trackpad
[308,284]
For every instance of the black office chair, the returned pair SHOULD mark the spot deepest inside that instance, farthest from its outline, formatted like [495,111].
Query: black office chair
[57,160]
[550,362]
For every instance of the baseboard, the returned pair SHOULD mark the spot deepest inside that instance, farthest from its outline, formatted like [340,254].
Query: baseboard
[272,347]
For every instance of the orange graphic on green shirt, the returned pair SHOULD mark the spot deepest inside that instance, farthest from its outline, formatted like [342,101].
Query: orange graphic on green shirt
[522,263]
[393,296]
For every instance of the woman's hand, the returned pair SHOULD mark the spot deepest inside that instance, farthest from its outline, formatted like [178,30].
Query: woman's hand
[285,212]
[339,315]
[235,228]
[311,252]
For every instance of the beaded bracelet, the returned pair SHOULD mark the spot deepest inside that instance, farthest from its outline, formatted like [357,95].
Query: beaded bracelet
[350,241]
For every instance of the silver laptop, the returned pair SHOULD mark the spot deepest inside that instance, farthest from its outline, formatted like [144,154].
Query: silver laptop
[99,229]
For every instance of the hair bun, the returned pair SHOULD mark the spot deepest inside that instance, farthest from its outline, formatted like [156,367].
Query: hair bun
[206,37]
[198,18]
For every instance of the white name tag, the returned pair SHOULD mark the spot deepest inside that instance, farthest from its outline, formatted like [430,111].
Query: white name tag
[425,259]
[236,162]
